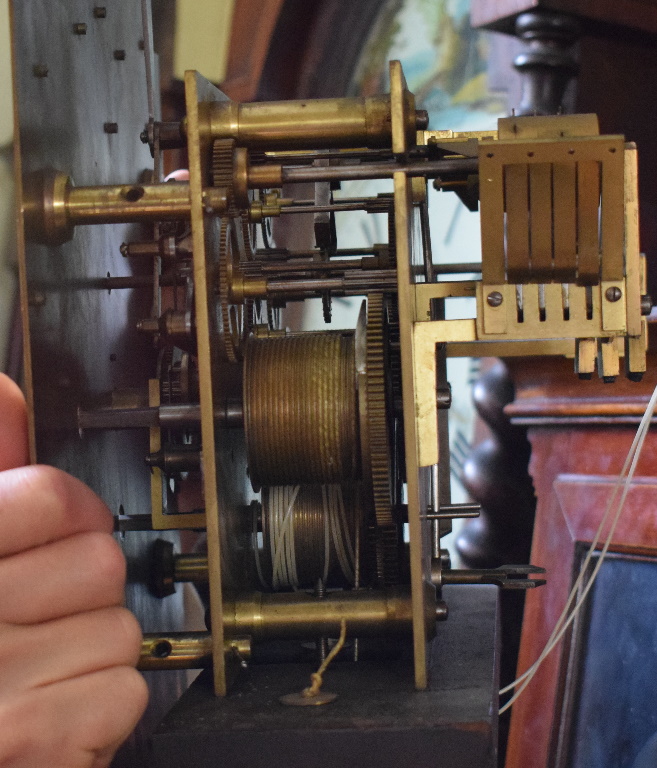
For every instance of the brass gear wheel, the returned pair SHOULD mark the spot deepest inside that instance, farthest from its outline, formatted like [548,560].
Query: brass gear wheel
[222,171]
[378,450]
[248,240]
[247,255]
[235,246]
[377,416]
[395,391]
[232,315]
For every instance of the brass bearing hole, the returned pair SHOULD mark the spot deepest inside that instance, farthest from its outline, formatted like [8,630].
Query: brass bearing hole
[134,194]
[162,649]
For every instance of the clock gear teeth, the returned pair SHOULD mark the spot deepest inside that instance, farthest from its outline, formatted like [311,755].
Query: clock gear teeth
[235,248]
[231,316]
[394,363]
[246,257]
[222,171]
[379,443]
[249,245]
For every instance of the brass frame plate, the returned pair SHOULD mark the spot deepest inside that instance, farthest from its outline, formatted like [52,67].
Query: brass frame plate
[198,89]
[226,485]
[422,591]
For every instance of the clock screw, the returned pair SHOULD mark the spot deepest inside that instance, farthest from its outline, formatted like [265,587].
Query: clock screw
[494,299]
[613,293]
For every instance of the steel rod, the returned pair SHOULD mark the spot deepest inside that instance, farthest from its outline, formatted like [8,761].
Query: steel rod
[451,511]
[311,266]
[163,416]
[282,253]
[430,169]
[384,279]
[373,205]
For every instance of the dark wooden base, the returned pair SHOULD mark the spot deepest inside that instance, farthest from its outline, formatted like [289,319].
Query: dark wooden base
[377,719]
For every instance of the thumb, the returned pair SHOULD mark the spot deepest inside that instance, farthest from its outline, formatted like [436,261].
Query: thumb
[13,425]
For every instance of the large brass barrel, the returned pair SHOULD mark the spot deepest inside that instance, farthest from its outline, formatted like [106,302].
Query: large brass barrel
[300,411]
[307,123]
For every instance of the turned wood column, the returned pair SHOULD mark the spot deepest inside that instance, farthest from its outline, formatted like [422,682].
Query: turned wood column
[548,62]
[495,475]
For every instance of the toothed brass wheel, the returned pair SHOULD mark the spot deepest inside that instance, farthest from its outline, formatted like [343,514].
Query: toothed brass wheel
[234,328]
[222,171]
[378,443]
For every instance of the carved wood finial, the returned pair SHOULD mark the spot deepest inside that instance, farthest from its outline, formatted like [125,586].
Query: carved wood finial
[548,63]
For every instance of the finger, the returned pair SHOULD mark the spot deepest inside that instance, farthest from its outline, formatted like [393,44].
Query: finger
[75,723]
[13,425]
[41,504]
[80,573]
[42,654]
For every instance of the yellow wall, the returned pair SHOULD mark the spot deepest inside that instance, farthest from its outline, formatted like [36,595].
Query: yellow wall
[202,37]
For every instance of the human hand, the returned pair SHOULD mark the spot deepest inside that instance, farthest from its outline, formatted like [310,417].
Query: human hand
[69,693]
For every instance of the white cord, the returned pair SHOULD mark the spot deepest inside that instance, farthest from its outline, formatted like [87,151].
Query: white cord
[566,619]
[256,548]
[286,494]
[345,527]
[279,506]
[327,537]
[335,495]
[291,551]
